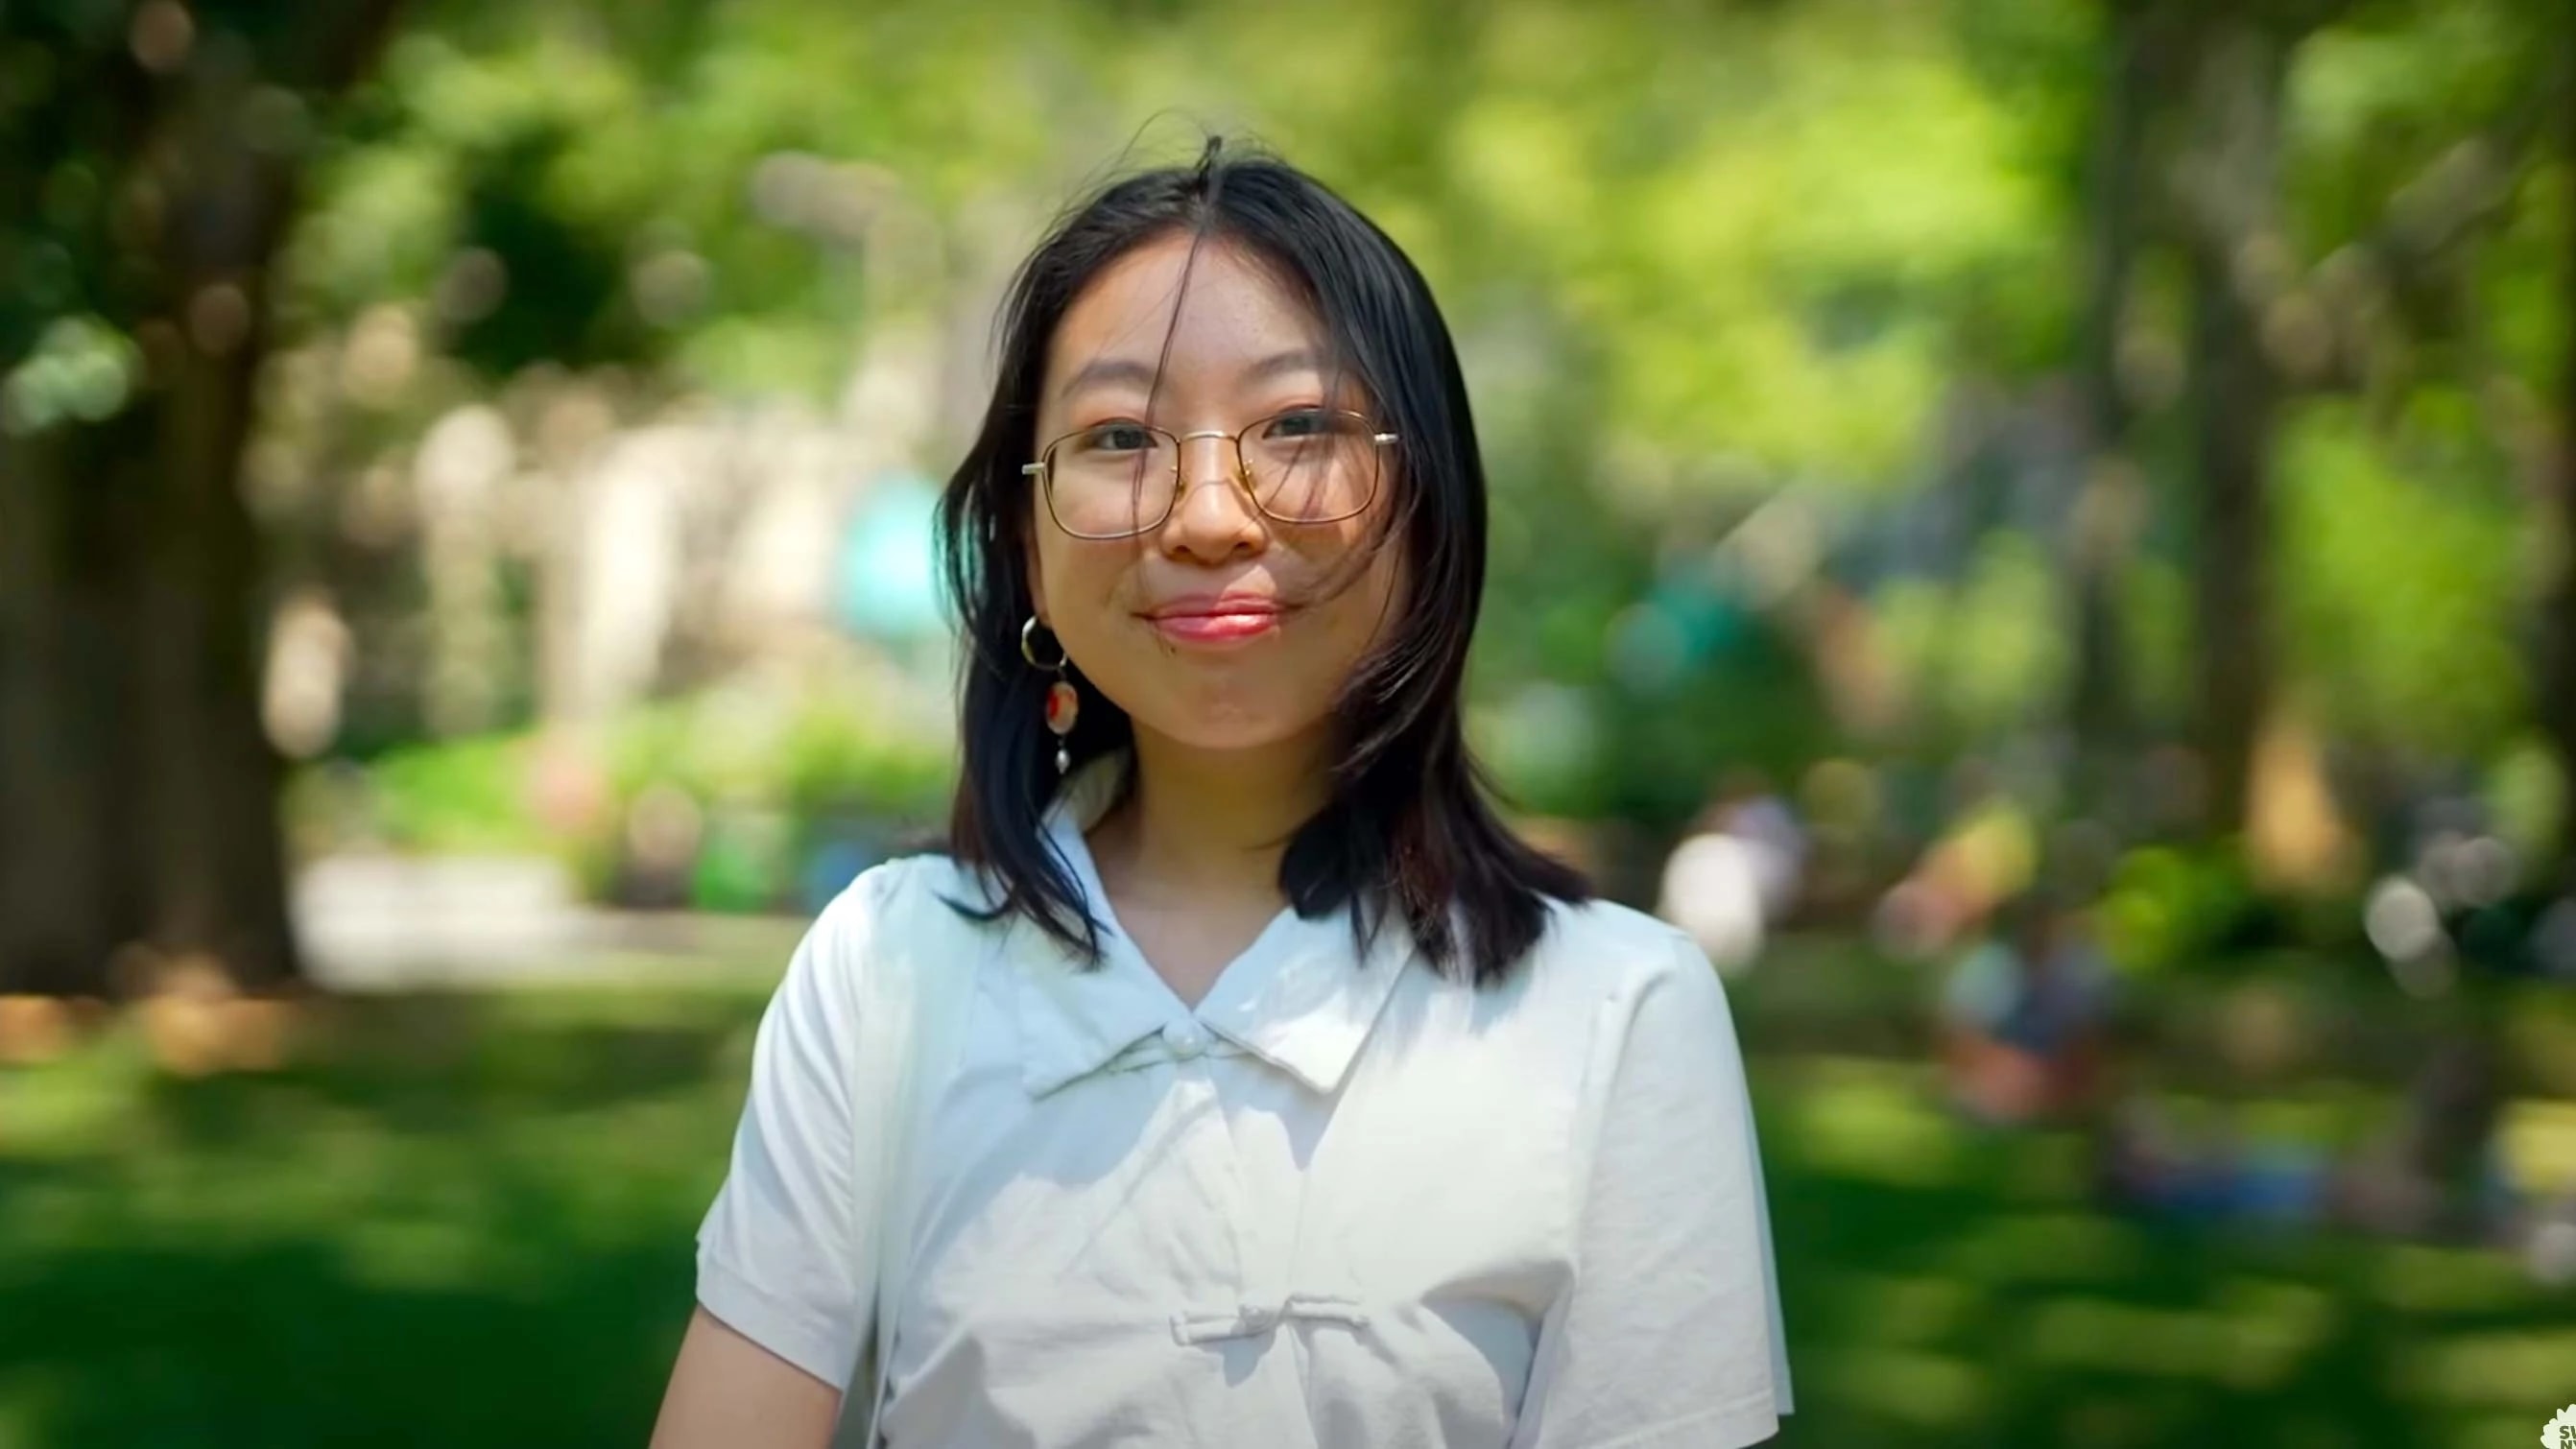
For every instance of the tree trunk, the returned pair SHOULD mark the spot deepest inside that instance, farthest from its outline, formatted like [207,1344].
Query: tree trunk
[138,791]
[206,776]
[2559,684]
[2239,263]
[57,732]
[2108,499]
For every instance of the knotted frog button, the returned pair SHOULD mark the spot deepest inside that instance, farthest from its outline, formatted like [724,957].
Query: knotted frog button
[1186,1039]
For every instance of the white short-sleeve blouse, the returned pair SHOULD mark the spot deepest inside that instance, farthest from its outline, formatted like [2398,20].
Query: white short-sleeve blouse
[1343,1204]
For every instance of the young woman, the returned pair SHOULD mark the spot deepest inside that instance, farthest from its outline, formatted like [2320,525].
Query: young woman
[1296,1102]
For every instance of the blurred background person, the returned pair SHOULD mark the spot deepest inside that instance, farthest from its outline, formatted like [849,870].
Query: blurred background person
[2024,1017]
[1737,873]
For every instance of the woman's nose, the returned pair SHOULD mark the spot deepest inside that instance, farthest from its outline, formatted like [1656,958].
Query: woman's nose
[1215,516]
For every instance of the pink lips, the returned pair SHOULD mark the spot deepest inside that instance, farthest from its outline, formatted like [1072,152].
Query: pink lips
[1216,619]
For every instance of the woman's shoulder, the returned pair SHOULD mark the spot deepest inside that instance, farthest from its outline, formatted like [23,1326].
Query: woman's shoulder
[892,912]
[876,943]
[1600,947]
[893,891]
[1615,995]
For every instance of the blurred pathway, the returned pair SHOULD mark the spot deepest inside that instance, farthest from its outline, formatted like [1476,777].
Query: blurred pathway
[377,923]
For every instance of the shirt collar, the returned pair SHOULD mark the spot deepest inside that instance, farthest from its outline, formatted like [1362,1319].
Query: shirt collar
[1297,998]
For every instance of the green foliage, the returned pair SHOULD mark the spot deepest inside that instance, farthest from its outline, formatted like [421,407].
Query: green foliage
[769,780]
[2519,290]
[456,795]
[82,370]
[745,862]
[2526,798]
[2170,908]
[2009,653]
[2156,632]
[632,171]
[835,757]
[1696,256]
[805,753]
[2405,567]
[1987,655]
[2376,103]
[1780,281]
[1714,193]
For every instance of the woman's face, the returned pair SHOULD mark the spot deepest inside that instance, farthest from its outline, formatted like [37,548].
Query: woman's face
[1221,628]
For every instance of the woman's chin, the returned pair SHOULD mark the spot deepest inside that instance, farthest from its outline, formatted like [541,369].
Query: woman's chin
[1226,731]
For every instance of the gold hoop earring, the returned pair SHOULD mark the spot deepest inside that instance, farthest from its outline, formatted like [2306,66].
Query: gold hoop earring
[1028,651]
[1063,701]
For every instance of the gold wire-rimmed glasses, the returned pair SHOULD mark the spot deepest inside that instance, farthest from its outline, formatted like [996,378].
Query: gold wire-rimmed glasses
[1303,466]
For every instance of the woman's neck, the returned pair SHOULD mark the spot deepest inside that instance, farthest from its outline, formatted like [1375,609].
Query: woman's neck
[1210,825]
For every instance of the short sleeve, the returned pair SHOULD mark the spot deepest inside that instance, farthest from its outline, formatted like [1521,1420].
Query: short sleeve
[776,1261]
[1670,1334]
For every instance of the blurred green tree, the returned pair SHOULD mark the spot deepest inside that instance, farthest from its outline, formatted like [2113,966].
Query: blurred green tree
[2289,268]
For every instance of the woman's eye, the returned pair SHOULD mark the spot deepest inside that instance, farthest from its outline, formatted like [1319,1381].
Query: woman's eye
[1303,423]
[1117,438]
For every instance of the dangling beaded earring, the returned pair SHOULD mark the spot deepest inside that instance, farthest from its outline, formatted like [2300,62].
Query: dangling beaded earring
[1063,701]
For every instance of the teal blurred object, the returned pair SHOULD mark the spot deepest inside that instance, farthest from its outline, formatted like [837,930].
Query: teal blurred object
[889,582]
[1714,622]
[829,869]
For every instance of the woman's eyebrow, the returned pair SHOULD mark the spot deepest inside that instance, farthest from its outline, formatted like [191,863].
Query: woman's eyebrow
[1302,359]
[1106,372]
[1131,372]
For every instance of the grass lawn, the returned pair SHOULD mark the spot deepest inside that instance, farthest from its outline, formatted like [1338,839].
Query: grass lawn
[466,1219]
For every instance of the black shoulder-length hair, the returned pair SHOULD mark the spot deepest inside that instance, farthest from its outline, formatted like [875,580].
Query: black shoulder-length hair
[1408,833]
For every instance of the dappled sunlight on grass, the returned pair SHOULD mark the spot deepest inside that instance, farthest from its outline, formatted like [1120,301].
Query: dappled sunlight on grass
[2515,1366]
[2049,1248]
[1973,1293]
[2256,1346]
[1910,1387]
[27,1401]
[2479,1431]
[2275,1324]
[2126,1423]
[471,1216]
[418,1253]
[1911,1310]
[2043,1166]
[2424,1278]
[458,1219]
[69,1106]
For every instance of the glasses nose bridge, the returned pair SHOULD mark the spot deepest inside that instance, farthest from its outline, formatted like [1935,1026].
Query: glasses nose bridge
[1229,472]
[1229,453]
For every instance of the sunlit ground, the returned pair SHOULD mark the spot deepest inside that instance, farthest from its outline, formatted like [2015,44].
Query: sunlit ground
[466,1220]
[468,1224]
[1954,1288]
